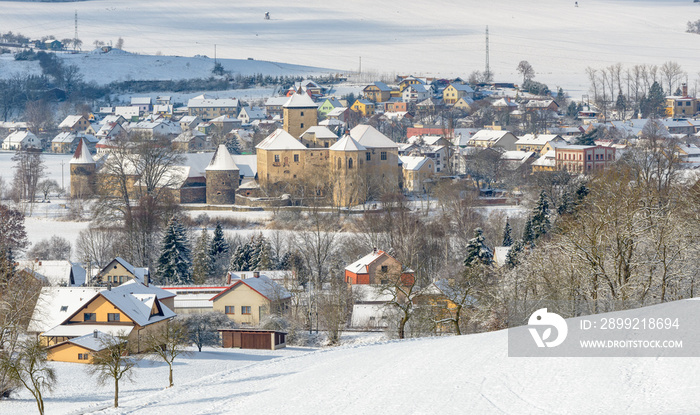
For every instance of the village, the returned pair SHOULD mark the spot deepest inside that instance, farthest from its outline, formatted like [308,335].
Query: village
[409,209]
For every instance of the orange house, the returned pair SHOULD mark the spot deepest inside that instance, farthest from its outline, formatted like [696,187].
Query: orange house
[378,267]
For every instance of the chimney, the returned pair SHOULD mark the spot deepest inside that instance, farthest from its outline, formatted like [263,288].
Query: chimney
[374,250]
[94,334]
[109,287]
[228,278]
[256,274]
[146,280]
[684,89]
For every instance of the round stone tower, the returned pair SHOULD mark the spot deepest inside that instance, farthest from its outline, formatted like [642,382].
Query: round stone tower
[222,177]
[82,172]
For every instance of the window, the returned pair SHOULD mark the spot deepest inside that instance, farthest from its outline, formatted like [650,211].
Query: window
[301,114]
[230,309]
[383,155]
[349,163]
[113,316]
[245,309]
[89,317]
[589,157]
[82,356]
[368,156]
[385,268]
[302,125]
[277,158]
[296,158]
[64,308]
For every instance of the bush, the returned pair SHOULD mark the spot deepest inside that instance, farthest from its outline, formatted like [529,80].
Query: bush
[694,27]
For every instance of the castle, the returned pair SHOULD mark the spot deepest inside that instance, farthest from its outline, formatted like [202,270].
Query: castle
[302,158]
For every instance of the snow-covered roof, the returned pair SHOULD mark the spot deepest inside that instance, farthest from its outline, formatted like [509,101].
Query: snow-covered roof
[56,304]
[360,266]
[516,155]
[536,139]
[413,162]
[137,306]
[19,137]
[381,86]
[370,137]
[222,160]
[263,285]
[365,293]
[300,101]
[94,341]
[280,140]
[336,112]
[56,272]
[82,154]
[503,102]
[347,143]
[254,113]
[70,121]
[207,101]
[462,87]
[490,135]
[548,160]
[66,137]
[276,101]
[320,131]
[140,100]
[370,315]
[73,330]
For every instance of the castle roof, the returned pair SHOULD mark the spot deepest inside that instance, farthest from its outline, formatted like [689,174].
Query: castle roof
[300,101]
[369,136]
[82,154]
[280,140]
[347,143]
[222,160]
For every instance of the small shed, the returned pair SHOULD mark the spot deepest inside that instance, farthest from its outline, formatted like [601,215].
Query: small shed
[253,339]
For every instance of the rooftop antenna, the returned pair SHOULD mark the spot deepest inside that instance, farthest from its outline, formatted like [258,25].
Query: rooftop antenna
[487,71]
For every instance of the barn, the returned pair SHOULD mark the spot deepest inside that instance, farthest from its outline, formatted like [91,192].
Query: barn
[253,339]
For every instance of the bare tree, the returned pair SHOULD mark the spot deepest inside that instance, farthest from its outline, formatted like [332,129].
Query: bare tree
[29,368]
[29,168]
[202,328]
[672,74]
[54,248]
[95,246]
[526,70]
[168,342]
[113,362]
[47,186]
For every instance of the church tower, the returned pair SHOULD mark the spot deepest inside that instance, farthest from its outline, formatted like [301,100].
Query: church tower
[82,172]
[222,176]
[300,112]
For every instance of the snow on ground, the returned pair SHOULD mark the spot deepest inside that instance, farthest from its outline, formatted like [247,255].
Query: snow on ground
[444,38]
[447,375]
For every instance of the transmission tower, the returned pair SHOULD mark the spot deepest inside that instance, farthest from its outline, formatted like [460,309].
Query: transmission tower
[487,70]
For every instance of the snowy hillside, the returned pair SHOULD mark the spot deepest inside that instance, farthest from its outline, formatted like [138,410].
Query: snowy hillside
[442,37]
[448,375]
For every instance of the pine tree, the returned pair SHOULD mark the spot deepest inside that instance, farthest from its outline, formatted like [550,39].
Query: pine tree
[512,259]
[233,145]
[218,252]
[540,217]
[477,251]
[261,253]
[507,238]
[240,260]
[175,261]
[528,236]
[201,263]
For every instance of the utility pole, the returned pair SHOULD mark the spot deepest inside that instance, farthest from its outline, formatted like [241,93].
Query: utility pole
[214,53]
[75,35]
[360,71]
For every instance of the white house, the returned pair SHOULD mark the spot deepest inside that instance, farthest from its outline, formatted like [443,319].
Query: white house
[21,139]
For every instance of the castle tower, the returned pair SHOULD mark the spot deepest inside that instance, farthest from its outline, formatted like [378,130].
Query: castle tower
[82,172]
[222,176]
[348,171]
[300,112]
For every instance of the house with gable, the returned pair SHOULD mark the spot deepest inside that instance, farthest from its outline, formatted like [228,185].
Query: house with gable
[377,92]
[131,310]
[328,105]
[119,271]
[208,107]
[494,138]
[58,273]
[250,114]
[377,268]
[21,139]
[77,123]
[415,93]
[364,107]
[247,301]
[417,173]
[455,91]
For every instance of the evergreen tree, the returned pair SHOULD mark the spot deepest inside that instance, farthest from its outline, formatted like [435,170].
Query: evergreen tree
[233,145]
[477,251]
[261,253]
[241,258]
[512,259]
[219,253]
[175,261]
[572,110]
[528,235]
[540,217]
[620,104]
[201,263]
[507,238]
[654,104]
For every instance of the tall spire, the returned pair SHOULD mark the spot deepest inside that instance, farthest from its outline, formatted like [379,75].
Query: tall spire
[82,154]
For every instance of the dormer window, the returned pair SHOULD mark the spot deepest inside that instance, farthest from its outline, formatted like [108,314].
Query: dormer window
[64,308]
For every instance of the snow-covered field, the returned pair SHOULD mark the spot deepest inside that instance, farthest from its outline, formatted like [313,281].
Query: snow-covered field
[442,38]
[443,375]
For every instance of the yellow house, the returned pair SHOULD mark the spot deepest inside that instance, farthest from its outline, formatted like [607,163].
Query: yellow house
[464,104]
[364,107]
[248,300]
[118,271]
[417,172]
[453,92]
[439,298]
[79,349]
[63,314]
[300,113]
[377,92]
